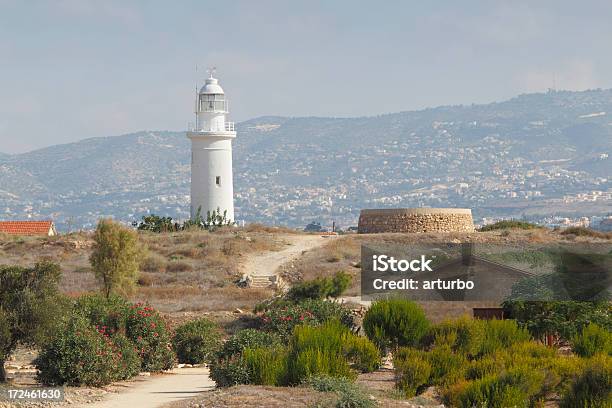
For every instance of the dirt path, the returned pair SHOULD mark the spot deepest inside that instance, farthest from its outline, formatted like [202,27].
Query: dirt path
[268,263]
[158,390]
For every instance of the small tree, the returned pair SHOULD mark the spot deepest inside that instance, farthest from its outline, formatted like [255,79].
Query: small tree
[29,306]
[116,257]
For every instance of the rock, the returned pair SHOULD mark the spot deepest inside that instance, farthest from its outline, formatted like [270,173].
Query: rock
[238,311]
[144,374]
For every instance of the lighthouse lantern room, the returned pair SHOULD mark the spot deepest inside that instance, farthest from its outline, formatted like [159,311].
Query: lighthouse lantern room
[211,152]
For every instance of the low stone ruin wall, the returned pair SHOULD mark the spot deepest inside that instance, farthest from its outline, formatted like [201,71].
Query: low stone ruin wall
[415,220]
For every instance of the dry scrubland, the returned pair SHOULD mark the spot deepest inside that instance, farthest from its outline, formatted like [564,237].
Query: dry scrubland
[197,271]
[182,271]
[187,274]
[344,254]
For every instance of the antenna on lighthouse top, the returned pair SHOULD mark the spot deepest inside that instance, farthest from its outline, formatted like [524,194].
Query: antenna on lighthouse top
[211,71]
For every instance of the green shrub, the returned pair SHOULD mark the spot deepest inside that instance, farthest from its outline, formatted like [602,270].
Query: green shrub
[325,310]
[266,366]
[363,353]
[229,371]
[151,337]
[593,387]
[312,361]
[412,371]
[248,338]
[484,366]
[79,355]
[563,318]
[349,394]
[330,349]
[129,361]
[518,387]
[320,288]
[197,342]
[31,306]
[591,341]
[508,224]
[109,313]
[464,335]
[395,323]
[282,317]
[500,334]
[446,367]
[282,320]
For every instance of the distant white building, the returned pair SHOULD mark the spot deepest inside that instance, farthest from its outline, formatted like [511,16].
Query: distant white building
[211,152]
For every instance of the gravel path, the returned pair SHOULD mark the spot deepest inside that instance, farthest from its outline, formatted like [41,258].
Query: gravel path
[268,263]
[183,383]
[158,390]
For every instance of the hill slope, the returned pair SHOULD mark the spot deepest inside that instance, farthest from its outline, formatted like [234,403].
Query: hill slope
[495,158]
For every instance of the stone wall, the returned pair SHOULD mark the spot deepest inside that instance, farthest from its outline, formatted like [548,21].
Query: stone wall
[416,220]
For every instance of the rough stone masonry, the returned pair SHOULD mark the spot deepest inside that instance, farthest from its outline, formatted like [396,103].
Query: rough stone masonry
[374,221]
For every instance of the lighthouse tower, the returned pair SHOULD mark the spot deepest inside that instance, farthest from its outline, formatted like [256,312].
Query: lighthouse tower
[211,152]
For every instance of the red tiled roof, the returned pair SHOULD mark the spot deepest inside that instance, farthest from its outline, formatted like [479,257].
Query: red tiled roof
[26,227]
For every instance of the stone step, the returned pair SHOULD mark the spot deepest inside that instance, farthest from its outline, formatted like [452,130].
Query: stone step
[262,281]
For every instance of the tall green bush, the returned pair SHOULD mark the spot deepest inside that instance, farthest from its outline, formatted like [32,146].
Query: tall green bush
[591,341]
[197,342]
[446,367]
[500,334]
[463,335]
[266,366]
[518,387]
[329,349]
[395,323]
[593,387]
[412,370]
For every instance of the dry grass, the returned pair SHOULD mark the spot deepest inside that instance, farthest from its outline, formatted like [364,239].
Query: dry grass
[190,270]
[242,396]
[344,252]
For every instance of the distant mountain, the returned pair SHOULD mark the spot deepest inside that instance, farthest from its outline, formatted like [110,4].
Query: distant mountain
[496,158]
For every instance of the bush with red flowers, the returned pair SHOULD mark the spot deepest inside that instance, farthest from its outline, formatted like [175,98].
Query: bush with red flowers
[281,317]
[79,354]
[149,333]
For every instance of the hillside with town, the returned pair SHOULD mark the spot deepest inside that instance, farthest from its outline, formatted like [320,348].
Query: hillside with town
[543,157]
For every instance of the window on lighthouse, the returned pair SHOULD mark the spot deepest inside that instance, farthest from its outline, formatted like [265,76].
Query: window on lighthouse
[218,180]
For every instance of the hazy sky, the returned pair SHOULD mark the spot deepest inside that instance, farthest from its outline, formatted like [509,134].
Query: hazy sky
[76,69]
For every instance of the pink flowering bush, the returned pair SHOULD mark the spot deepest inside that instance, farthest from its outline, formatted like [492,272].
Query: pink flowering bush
[149,333]
[80,355]
[282,320]
[282,317]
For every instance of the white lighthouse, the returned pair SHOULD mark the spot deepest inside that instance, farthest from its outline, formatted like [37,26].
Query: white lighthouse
[211,152]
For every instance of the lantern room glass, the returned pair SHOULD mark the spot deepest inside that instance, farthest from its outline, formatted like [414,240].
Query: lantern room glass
[213,102]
